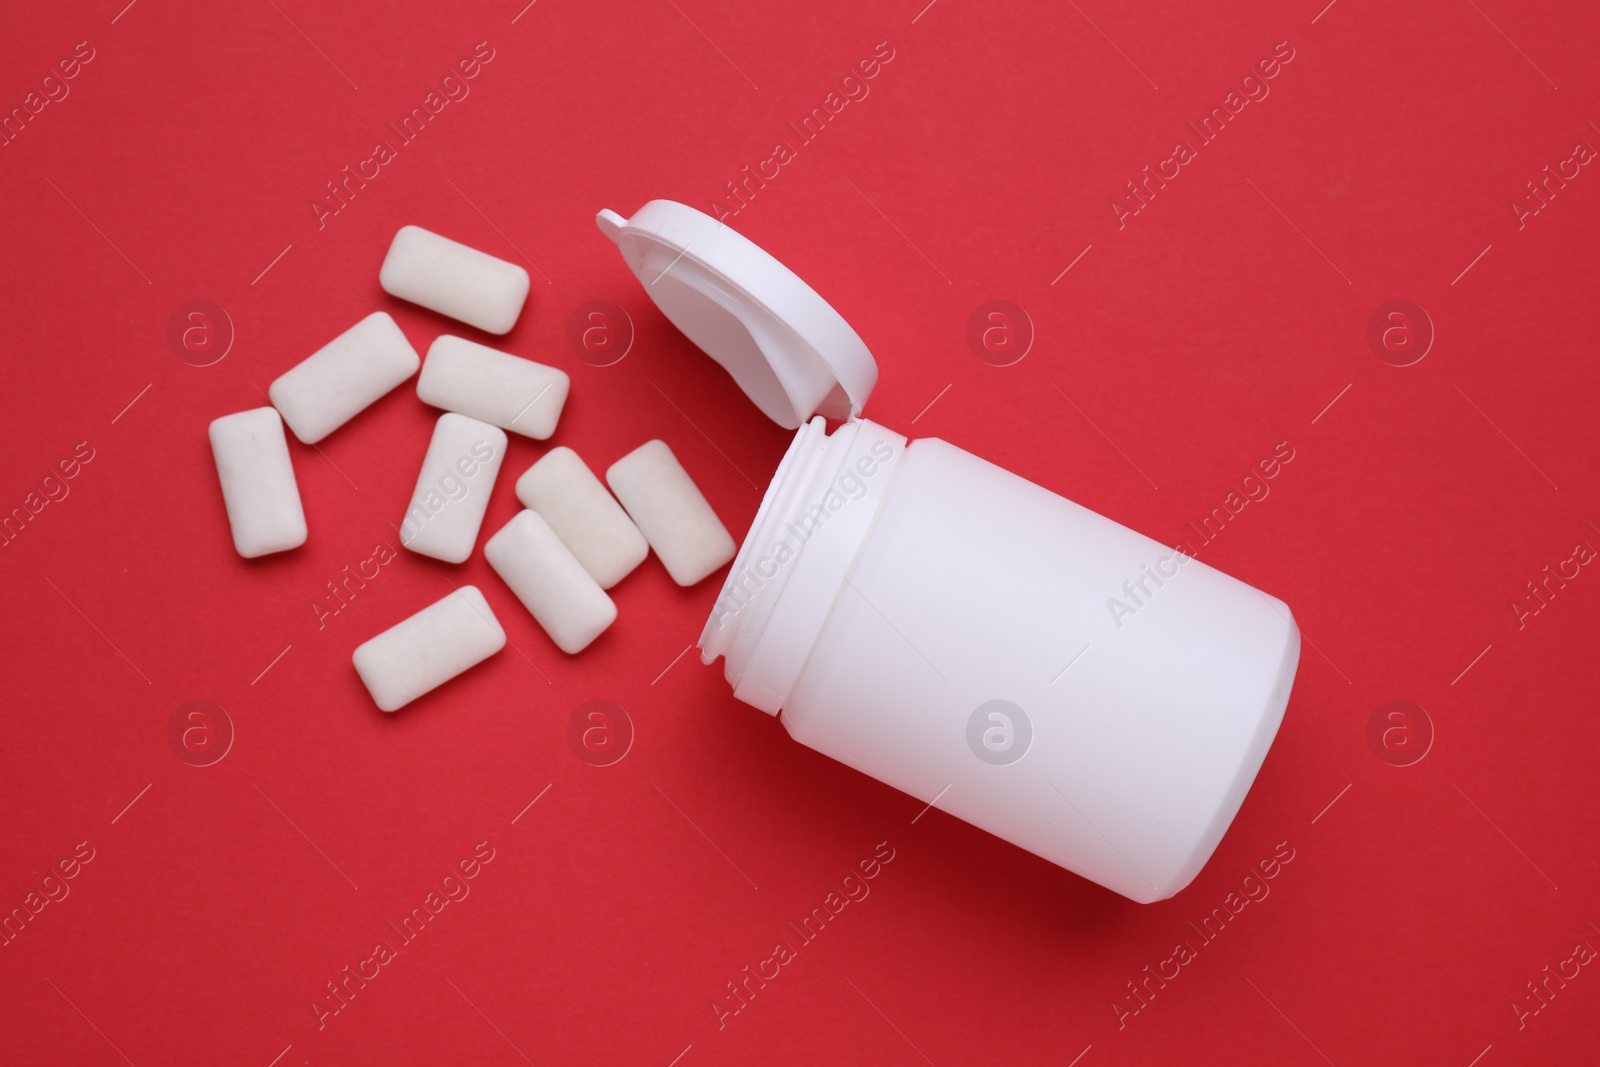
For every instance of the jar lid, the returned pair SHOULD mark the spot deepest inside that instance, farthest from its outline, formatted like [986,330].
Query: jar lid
[788,349]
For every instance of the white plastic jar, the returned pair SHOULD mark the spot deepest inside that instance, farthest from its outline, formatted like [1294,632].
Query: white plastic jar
[948,627]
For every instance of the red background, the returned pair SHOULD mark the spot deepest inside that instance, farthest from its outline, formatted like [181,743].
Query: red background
[1222,319]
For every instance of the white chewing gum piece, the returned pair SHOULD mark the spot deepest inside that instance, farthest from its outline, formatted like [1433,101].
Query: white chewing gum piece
[421,653]
[342,378]
[550,582]
[258,485]
[589,521]
[496,387]
[453,279]
[453,488]
[669,510]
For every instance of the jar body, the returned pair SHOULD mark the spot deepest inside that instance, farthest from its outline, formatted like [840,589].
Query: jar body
[1044,673]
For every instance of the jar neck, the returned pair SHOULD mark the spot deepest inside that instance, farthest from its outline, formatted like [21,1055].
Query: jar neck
[813,523]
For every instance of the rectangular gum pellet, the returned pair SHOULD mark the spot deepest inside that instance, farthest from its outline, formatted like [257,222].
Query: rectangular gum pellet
[423,652]
[258,485]
[453,279]
[589,521]
[496,387]
[342,378]
[669,510]
[550,582]
[453,488]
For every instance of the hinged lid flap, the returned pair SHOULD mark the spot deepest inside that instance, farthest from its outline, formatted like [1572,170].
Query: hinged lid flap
[788,349]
